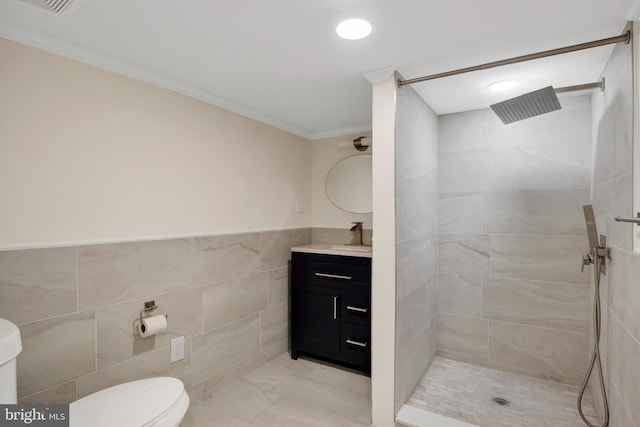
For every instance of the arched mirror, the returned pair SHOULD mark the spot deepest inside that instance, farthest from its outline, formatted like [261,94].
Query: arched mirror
[348,184]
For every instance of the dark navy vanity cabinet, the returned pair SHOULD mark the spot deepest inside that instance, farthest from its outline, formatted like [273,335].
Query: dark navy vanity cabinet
[331,308]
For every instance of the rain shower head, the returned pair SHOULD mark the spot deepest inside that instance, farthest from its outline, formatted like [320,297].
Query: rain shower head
[530,104]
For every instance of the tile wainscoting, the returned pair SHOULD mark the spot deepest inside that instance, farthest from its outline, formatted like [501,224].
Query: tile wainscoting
[228,295]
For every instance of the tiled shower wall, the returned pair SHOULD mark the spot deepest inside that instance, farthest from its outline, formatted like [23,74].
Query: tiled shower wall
[613,196]
[75,306]
[416,240]
[510,291]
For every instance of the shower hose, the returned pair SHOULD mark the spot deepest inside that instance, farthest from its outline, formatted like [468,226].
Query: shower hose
[595,355]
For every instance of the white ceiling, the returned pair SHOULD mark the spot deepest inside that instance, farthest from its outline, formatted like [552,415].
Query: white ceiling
[280,62]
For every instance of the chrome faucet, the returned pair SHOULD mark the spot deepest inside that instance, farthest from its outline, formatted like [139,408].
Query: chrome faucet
[356,239]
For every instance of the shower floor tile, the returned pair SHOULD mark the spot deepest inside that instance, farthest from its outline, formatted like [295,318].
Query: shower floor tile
[465,392]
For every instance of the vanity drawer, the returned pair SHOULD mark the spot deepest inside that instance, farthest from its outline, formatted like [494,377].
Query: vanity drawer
[355,341]
[355,307]
[330,269]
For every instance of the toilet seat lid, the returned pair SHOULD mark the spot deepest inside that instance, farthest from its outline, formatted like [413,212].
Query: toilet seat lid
[132,404]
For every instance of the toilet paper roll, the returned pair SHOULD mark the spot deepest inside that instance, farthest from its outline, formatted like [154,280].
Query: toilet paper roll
[152,325]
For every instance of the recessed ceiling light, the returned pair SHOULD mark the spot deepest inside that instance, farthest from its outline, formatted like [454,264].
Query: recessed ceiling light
[354,29]
[502,86]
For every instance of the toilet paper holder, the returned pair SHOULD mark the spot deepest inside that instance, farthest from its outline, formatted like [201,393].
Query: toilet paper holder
[149,306]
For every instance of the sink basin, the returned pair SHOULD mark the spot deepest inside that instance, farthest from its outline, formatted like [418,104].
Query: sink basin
[352,248]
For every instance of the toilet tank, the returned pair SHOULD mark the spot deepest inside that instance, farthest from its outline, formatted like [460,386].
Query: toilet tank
[10,347]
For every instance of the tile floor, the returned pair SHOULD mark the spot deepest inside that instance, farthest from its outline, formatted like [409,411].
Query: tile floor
[463,391]
[285,392]
[308,393]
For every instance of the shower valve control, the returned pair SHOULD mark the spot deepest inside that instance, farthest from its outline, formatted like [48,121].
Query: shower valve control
[586,260]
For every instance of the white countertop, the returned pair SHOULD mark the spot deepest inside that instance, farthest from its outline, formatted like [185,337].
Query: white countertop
[335,249]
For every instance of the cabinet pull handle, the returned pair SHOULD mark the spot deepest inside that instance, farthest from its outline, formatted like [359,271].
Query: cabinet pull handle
[358,309]
[335,308]
[358,343]
[333,276]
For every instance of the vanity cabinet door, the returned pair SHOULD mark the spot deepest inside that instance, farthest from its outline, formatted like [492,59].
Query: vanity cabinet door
[316,320]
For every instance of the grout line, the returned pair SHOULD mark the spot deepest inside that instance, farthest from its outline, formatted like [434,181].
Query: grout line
[491,169]
[513,323]
[613,314]
[482,279]
[77,280]
[130,358]
[229,323]
[260,249]
[190,360]
[611,180]
[477,233]
[517,190]
[202,310]
[423,236]
[260,332]
[491,237]
[57,316]
[488,339]
[145,297]
[191,252]
[51,388]
[539,327]
[95,326]
[169,292]
[542,282]
[513,279]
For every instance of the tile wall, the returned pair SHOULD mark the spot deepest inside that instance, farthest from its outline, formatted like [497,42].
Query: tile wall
[510,291]
[338,235]
[416,240]
[75,306]
[613,196]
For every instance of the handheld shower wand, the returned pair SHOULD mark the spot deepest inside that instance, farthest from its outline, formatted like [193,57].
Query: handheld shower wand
[592,230]
[597,255]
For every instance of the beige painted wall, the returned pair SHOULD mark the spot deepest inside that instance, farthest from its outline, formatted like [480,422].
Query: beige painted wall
[87,155]
[325,154]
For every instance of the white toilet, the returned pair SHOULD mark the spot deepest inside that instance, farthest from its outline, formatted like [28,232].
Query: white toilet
[10,347]
[157,402]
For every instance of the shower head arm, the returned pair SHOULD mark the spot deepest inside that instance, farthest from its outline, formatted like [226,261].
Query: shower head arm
[586,86]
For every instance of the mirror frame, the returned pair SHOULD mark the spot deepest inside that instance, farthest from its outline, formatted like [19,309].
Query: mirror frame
[337,203]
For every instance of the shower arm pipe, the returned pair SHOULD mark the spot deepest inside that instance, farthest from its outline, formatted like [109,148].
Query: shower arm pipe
[586,86]
[624,38]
